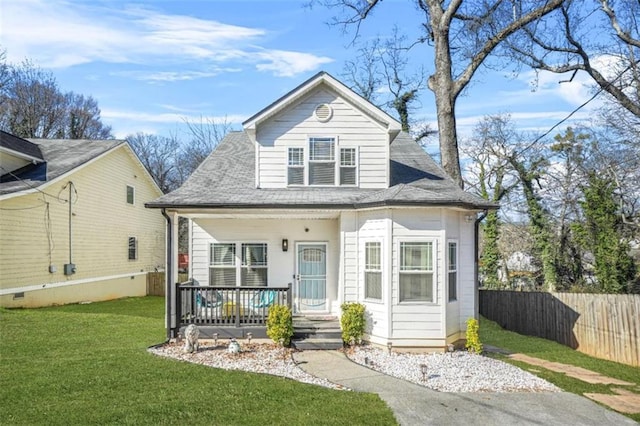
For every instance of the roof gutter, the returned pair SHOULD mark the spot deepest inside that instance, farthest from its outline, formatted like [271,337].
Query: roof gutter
[476,261]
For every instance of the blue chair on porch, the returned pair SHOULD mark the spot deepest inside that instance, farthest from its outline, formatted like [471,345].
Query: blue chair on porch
[209,305]
[262,300]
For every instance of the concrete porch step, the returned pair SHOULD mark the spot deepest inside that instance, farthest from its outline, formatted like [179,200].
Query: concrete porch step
[316,344]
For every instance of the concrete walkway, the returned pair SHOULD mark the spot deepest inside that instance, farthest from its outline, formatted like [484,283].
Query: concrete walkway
[417,405]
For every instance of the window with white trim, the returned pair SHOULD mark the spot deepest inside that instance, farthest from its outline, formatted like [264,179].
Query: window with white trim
[416,272]
[295,166]
[372,271]
[238,264]
[131,194]
[452,270]
[348,166]
[254,265]
[222,271]
[133,248]
[322,161]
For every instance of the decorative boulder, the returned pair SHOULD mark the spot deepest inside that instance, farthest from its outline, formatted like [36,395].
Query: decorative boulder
[191,334]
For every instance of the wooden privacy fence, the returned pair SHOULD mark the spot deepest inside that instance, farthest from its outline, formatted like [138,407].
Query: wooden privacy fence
[156,283]
[602,325]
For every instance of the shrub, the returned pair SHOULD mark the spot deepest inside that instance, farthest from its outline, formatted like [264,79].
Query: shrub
[280,324]
[473,339]
[352,322]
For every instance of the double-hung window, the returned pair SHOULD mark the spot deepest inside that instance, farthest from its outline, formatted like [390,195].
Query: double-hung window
[222,271]
[295,166]
[348,166]
[322,161]
[416,271]
[238,264]
[372,271]
[254,265]
[131,194]
[452,269]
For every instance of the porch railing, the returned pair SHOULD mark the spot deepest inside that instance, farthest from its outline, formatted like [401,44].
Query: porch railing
[227,306]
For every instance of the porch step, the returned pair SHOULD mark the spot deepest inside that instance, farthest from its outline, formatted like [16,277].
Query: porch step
[313,333]
[315,344]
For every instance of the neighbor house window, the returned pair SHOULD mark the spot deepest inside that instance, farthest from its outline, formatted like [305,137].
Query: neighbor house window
[372,271]
[223,264]
[133,248]
[416,271]
[452,269]
[131,195]
[254,265]
[347,166]
[322,162]
[231,261]
[295,166]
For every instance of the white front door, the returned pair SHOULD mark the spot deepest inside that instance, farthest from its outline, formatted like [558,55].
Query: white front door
[311,261]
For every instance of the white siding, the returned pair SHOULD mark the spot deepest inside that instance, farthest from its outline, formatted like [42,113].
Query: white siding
[281,265]
[352,128]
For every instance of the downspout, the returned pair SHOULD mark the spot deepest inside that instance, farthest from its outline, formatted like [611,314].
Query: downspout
[476,261]
[168,274]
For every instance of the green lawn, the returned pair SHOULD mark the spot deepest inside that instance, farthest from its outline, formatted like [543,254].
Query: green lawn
[492,334]
[88,364]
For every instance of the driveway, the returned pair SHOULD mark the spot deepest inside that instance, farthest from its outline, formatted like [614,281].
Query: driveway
[417,405]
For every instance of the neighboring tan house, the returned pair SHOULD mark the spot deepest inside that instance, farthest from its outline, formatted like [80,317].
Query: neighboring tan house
[323,199]
[99,246]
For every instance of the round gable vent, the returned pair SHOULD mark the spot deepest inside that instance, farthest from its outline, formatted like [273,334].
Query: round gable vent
[323,112]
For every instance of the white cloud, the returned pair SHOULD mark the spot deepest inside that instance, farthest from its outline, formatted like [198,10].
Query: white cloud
[60,34]
[166,118]
[287,64]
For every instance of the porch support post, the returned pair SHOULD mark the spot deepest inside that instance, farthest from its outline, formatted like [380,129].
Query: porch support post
[476,262]
[171,272]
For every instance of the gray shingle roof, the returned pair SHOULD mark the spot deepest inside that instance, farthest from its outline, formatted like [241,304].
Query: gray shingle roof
[61,156]
[226,179]
[23,146]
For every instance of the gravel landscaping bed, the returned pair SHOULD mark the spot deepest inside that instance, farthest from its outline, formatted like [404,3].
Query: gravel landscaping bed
[255,357]
[457,371]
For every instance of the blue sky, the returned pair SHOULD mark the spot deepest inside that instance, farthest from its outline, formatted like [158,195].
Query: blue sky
[153,64]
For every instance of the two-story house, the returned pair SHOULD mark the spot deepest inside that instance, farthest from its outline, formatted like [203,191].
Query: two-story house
[322,191]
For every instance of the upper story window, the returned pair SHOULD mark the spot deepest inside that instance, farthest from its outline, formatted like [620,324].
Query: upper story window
[131,195]
[348,166]
[322,161]
[295,166]
[323,164]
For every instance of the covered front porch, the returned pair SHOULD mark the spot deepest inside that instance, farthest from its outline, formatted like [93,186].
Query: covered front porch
[243,262]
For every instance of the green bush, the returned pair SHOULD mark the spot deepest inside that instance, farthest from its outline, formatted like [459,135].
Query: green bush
[352,322]
[473,338]
[280,324]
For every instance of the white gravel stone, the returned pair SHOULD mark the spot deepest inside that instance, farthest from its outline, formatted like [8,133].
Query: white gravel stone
[255,357]
[446,372]
[457,371]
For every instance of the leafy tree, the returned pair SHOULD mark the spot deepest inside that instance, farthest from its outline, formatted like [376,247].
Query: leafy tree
[614,268]
[463,36]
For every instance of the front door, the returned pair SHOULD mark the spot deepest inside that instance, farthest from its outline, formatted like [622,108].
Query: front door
[312,277]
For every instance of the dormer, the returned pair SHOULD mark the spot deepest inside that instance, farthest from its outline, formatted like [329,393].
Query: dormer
[322,134]
[16,153]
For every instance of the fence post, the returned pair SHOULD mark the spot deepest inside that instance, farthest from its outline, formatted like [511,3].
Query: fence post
[289,296]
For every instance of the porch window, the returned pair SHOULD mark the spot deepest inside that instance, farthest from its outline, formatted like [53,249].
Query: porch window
[322,162]
[254,265]
[372,271]
[223,264]
[453,271]
[295,166]
[416,271]
[348,166]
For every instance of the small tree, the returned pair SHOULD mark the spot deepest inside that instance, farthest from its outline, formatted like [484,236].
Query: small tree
[280,324]
[352,322]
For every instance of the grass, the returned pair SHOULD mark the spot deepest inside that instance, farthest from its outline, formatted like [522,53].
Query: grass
[88,364]
[492,334]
